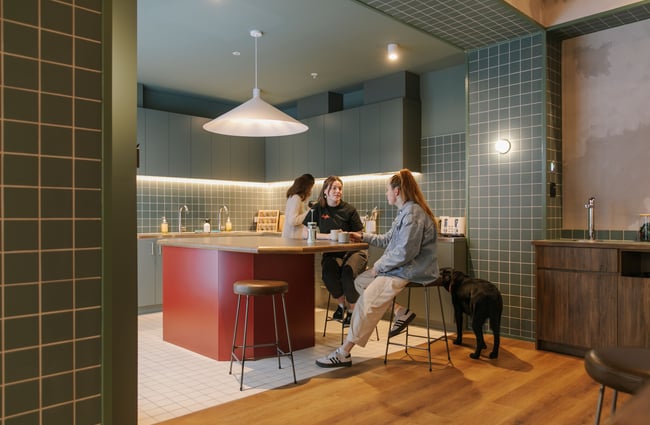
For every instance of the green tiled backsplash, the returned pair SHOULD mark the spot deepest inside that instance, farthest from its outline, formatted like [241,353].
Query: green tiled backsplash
[442,181]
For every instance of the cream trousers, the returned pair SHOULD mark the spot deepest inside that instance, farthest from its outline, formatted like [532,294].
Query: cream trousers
[377,293]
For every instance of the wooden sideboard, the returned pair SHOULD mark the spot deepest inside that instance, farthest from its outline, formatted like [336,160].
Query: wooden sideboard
[592,294]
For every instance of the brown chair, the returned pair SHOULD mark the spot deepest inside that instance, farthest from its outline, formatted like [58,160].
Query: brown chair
[429,340]
[620,368]
[330,318]
[260,288]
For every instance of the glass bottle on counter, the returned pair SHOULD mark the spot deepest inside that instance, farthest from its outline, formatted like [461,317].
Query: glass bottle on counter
[228,225]
[206,225]
[164,226]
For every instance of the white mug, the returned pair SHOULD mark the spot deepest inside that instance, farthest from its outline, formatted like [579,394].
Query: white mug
[334,234]
[344,237]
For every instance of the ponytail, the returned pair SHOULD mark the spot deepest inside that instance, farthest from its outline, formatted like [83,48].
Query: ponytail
[410,191]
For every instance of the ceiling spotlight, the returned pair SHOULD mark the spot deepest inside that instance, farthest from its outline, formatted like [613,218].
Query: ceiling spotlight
[502,145]
[393,53]
[314,75]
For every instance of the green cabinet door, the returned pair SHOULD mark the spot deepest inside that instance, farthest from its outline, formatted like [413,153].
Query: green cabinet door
[350,143]
[180,129]
[141,142]
[146,272]
[200,150]
[157,129]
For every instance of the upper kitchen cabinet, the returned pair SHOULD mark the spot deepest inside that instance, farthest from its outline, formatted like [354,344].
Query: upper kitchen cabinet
[247,159]
[142,140]
[391,123]
[180,127]
[316,146]
[221,166]
[200,150]
[163,138]
[350,141]
[176,145]
[157,143]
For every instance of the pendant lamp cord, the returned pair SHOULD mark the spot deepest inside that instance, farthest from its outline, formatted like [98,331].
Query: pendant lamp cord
[256,86]
[256,34]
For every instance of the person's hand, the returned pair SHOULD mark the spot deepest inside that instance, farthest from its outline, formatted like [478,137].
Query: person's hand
[356,236]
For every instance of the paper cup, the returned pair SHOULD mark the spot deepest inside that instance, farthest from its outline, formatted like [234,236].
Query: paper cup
[334,234]
[344,237]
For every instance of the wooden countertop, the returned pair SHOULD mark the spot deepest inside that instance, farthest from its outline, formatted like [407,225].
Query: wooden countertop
[261,244]
[203,234]
[585,243]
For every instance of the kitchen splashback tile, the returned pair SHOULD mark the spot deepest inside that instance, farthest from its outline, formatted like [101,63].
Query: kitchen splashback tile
[21,332]
[88,233]
[22,397]
[20,40]
[88,292]
[56,203]
[20,267]
[56,109]
[56,79]
[57,172]
[88,203]
[88,263]
[88,54]
[56,47]
[21,72]
[88,352]
[20,105]
[56,265]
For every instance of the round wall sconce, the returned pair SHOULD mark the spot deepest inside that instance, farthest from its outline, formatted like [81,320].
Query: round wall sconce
[502,146]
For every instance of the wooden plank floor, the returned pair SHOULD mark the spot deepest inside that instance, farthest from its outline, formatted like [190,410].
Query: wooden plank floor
[523,386]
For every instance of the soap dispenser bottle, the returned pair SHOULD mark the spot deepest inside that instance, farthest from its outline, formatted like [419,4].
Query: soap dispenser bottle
[206,225]
[164,226]
[228,225]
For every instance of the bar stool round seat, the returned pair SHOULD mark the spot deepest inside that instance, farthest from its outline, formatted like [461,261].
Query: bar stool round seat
[260,288]
[429,339]
[623,369]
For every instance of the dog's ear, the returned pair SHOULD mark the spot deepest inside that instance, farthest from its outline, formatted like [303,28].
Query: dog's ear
[457,276]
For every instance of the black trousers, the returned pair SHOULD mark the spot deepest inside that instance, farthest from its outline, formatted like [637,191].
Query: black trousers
[339,273]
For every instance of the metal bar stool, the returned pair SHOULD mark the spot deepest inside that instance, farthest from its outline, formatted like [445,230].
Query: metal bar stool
[622,369]
[330,318]
[430,340]
[258,288]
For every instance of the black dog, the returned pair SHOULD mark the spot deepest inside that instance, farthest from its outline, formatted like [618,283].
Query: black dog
[478,298]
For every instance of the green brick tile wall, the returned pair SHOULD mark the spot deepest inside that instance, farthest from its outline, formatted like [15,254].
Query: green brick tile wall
[50,236]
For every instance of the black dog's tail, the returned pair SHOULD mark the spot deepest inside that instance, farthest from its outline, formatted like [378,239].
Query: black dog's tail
[495,310]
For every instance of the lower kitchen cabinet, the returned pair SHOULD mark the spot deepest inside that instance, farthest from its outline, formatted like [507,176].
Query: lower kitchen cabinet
[590,296]
[149,275]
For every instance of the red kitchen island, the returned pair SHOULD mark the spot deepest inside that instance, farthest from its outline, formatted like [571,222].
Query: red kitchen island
[198,301]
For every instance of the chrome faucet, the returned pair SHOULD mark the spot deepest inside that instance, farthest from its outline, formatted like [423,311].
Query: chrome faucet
[590,218]
[182,210]
[219,226]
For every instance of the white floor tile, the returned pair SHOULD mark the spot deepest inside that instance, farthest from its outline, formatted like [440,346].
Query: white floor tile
[173,381]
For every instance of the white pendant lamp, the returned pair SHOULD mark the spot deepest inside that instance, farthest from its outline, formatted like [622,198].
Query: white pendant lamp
[255,118]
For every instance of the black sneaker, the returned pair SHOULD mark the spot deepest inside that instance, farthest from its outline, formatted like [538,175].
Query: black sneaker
[348,317]
[338,314]
[401,322]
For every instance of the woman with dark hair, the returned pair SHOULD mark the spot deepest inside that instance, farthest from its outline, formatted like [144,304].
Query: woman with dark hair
[339,269]
[295,211]
[410,255]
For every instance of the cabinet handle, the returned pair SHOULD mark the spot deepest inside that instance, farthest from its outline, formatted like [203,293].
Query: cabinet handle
[152,253]
[159,250]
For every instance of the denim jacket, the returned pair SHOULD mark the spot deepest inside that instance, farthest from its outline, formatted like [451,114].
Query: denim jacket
[410,246]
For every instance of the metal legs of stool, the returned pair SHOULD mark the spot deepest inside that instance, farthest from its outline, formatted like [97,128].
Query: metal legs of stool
[428,337]
[623,369]
[329,318]
[279,352]
[599,406]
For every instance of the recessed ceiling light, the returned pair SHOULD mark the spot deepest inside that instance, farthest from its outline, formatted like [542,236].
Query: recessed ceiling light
[314,75]
[236,53]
